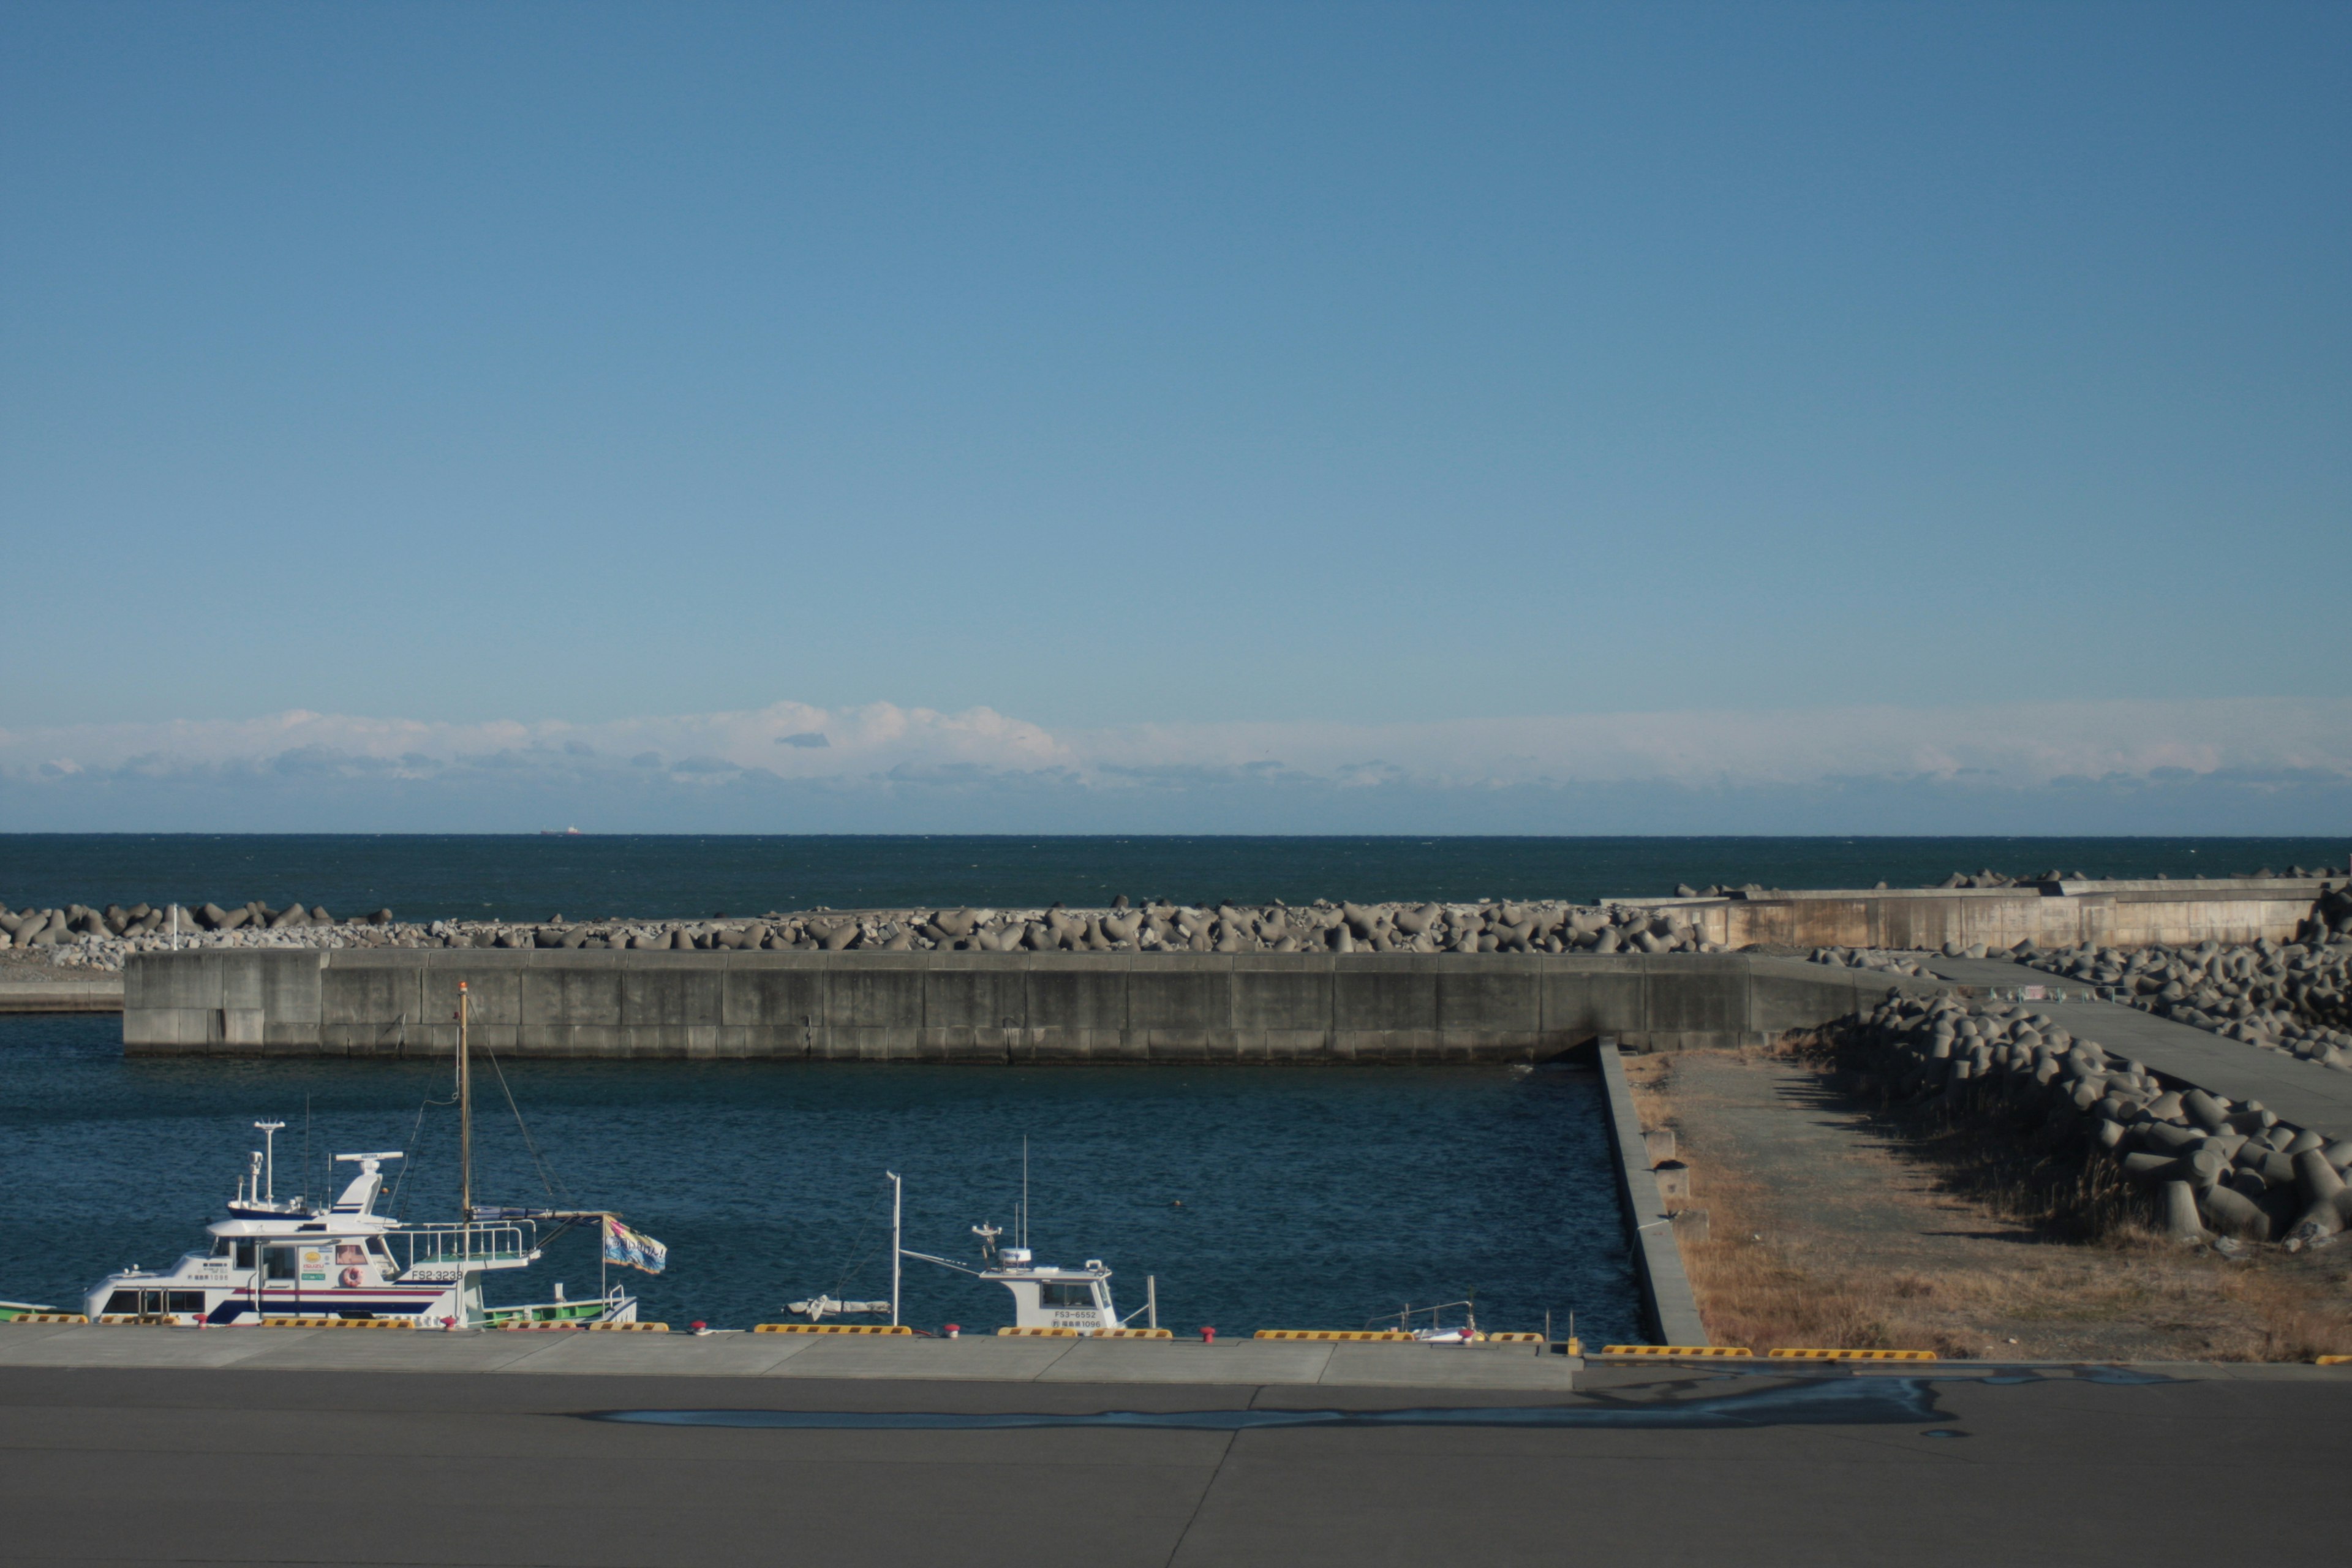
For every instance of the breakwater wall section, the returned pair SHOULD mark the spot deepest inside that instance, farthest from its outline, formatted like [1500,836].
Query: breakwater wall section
[2048,914]
[970,1008]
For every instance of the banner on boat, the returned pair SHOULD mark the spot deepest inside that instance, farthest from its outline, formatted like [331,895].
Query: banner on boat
[633,1249]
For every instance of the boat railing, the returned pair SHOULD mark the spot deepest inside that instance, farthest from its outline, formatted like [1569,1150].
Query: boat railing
[439,1245]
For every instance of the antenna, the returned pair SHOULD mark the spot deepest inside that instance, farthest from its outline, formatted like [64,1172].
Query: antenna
[1024,1189]
[306,1146]
[269,1130]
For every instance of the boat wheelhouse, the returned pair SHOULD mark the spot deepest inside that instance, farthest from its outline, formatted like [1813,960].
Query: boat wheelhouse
[1049,1297]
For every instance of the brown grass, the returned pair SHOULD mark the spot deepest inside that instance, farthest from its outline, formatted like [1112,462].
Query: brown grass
[2019,1252]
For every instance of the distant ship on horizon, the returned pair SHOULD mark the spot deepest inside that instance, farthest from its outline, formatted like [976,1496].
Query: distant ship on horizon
[560,832]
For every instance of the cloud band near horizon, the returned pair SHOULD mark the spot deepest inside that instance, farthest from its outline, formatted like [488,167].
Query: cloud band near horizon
[2254,765]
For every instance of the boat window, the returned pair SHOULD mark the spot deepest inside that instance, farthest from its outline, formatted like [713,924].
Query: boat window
[1064,1293]
[377,1245]
[281,1262]
[223,1247]
[244,1250]
[184,1301]
[122,1301]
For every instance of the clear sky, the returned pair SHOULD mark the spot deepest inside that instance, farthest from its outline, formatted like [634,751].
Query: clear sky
[1105,397]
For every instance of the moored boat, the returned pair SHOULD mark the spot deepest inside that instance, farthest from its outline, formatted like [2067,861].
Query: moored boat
[288,1258]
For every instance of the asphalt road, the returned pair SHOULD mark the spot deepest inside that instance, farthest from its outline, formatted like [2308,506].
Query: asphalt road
[144,1466]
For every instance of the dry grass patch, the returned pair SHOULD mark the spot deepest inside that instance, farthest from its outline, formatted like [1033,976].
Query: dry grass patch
[1950,1233]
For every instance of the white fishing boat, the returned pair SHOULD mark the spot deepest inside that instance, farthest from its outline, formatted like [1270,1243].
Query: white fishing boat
[275,1258]
[1043,1297]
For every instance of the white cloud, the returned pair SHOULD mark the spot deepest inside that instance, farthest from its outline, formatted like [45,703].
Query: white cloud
[875,766]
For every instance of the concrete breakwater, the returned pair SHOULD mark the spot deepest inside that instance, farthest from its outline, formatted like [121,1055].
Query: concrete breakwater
[955,1006]
[2210,1168]
[2293,996]
[1995,915]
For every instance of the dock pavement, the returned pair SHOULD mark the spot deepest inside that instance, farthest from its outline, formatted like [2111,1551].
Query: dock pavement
[145,1446]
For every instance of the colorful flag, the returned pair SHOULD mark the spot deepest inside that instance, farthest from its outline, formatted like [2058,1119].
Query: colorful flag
[633,1248]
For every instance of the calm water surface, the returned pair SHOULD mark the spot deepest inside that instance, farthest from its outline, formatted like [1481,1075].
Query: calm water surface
[430,876]
[1309,1198]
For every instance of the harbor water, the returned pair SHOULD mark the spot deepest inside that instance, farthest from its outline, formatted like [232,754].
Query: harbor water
[1261,1197]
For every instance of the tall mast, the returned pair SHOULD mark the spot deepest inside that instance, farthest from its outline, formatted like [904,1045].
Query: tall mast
[465,1113]
[897,1233]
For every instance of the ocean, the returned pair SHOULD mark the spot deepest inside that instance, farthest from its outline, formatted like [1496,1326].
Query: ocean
[531,877]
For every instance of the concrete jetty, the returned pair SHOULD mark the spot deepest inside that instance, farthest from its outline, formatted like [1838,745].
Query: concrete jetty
[970,1008]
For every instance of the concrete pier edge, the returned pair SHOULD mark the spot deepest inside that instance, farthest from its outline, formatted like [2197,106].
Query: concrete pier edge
[1668,1303]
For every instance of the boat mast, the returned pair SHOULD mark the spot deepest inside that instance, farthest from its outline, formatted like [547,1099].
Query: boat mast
[465,1113]
[898,1197]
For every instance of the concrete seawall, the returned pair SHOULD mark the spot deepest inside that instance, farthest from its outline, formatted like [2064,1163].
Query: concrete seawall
[970,1008]
[2049,914]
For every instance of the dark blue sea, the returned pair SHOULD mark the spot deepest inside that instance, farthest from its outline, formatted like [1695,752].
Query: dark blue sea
[429,877]
[1260,1197]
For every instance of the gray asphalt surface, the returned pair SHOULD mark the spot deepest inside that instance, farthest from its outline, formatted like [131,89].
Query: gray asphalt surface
[154,1466]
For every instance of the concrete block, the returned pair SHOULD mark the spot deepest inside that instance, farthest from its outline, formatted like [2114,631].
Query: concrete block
[1294,999]
[1483,997]
[978,1000]
[1371,997]
[674,996]
[862,998]
[1179,996]
[1078,992]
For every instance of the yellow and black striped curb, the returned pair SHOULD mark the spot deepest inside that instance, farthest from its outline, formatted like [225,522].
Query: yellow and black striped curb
[1133,1334]
[1850,1355]
[1037,1333]
[583,1327]
[337,1324]
[1392,1336]
[831,1329]
[1677,1353]
[47,1318]
[2332,1360]
[1511,1339]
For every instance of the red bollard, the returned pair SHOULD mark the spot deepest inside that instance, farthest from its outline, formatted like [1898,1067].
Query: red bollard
[955,1331]
[1208,1336]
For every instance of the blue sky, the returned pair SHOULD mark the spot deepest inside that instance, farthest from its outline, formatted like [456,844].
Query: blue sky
[1478,404]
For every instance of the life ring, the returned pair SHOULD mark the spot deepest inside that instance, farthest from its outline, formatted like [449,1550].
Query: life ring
[353,1278]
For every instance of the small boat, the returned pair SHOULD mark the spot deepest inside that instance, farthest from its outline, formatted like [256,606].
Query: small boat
[275,1258]
[1436,1331]
[11,1311]
[1043,1297]
[560,832]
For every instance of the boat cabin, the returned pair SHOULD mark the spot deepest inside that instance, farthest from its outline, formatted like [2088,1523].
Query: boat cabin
[1047,1297]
